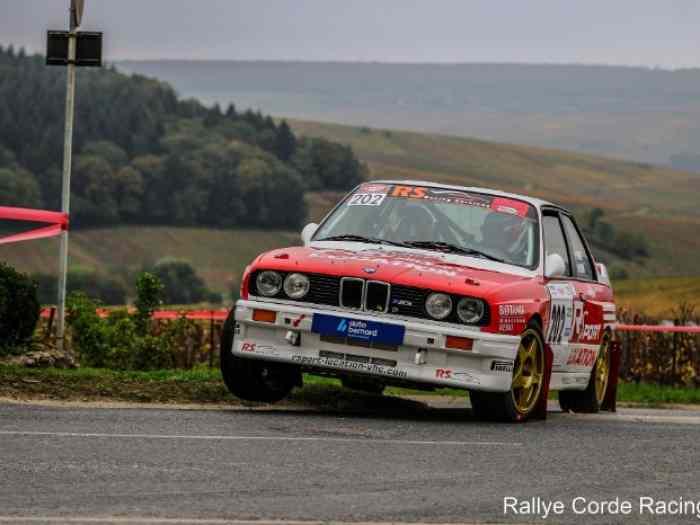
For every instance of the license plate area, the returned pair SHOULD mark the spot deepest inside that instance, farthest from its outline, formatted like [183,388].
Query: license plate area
[356,330]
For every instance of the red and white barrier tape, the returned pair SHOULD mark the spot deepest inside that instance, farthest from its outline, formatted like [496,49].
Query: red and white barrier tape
[657,328]
[57,223]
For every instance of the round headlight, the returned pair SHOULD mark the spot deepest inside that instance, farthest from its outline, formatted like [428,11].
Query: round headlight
[269,283]
[296,285]
[470,311]
[438,305]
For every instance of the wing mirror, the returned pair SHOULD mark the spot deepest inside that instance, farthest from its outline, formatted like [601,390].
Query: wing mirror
[308,232]
[554,266]
[602,272]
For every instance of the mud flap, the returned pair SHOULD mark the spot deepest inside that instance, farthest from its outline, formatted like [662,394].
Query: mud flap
[540,411]
[610,399]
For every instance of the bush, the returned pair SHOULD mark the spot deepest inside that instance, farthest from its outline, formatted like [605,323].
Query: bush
[19,307]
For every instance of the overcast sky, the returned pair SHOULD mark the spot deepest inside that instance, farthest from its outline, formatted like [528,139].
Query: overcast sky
[634,32]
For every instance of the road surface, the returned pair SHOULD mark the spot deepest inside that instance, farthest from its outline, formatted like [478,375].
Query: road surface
[93,465]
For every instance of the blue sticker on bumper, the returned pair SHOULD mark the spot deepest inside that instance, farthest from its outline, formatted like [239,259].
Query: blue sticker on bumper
[367,331]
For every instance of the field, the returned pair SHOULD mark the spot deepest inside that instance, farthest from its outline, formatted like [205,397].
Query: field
[218,255]
[658,297]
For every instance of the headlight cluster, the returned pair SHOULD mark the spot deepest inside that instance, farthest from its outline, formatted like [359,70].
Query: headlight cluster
[270,283]
[469,310]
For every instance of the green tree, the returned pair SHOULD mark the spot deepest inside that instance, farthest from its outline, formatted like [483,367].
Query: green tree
[19,188]
[285,142]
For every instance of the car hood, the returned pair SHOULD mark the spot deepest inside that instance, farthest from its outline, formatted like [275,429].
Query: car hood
[418,269]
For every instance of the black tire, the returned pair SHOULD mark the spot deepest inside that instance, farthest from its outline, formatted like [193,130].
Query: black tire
[501,406]
[252,379]
[586,401]
[363,385]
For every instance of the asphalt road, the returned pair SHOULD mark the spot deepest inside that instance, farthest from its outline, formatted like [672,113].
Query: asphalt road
[398,465]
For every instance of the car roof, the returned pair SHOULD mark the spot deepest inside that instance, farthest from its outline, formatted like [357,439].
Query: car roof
[539,203]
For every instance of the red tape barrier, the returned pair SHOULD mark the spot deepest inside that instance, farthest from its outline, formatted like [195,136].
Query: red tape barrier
[167,315]
[58,222]
[657,328]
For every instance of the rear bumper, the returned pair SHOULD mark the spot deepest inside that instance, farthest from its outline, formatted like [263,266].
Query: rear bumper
[422,358]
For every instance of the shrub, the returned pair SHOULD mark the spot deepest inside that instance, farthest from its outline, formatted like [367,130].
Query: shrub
[149,291]
[19,307]
[89,333]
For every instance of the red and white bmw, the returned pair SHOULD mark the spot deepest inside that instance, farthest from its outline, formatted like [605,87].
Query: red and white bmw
[427,285]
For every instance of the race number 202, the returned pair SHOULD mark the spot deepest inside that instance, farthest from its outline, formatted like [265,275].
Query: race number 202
[367,199]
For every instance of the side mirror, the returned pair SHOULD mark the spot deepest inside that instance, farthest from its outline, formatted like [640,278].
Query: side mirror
[602,272]
[308,232]
[554,266]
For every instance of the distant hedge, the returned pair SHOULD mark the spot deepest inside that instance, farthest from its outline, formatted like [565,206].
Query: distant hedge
[19,307]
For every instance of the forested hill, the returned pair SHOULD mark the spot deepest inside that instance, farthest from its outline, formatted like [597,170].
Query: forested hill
[144,156]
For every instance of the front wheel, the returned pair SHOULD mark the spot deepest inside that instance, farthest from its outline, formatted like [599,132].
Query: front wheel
[590,400]
[252,379]
[526,386]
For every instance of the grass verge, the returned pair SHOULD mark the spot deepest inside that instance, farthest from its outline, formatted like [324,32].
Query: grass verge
[203,385]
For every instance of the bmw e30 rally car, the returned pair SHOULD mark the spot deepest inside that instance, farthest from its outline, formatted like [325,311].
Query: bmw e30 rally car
[427,285]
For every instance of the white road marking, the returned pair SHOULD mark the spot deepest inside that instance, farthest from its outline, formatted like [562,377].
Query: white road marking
[258,438]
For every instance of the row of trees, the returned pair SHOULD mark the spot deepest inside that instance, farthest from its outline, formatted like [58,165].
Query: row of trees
[142,155]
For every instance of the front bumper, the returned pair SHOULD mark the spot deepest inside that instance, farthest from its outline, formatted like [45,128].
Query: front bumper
[422,358]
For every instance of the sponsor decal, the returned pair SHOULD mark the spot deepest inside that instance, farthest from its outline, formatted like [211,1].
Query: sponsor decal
[511,310]
[502,366]
[357,329]
[367,199]
[352,365]
[374,188]
[511,317]
[443,373]
[298,320]
[582,357]
[247,346]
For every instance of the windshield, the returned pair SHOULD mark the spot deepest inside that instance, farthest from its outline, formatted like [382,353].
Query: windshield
[453,221]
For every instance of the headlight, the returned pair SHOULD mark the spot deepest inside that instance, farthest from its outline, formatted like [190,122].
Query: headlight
[438,305]
[269,283]
[296,285]
[470,311]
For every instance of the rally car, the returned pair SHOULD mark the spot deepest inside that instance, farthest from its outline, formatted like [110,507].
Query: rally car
[426,285]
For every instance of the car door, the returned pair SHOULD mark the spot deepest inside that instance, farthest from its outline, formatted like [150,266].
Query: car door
[589,302]
[562,291]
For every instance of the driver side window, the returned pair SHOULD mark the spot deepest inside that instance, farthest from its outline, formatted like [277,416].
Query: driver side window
[554,240]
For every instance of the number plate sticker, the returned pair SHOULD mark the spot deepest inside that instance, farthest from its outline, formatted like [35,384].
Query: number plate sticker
[367,199]
[358,330]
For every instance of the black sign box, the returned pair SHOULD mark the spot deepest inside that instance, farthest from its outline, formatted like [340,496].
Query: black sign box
[88,52]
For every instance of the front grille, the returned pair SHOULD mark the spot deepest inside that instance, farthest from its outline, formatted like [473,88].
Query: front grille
[377,296]
[351,292]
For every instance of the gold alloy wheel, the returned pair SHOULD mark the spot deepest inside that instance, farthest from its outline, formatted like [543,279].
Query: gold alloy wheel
[528,372]
[602,369]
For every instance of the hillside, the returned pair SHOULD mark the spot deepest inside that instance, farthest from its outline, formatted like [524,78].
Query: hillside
[142,155]
[657,203]
[635,113]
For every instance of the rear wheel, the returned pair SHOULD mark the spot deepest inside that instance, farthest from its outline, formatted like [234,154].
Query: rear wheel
[528,377]
[252,379]
[591,399]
